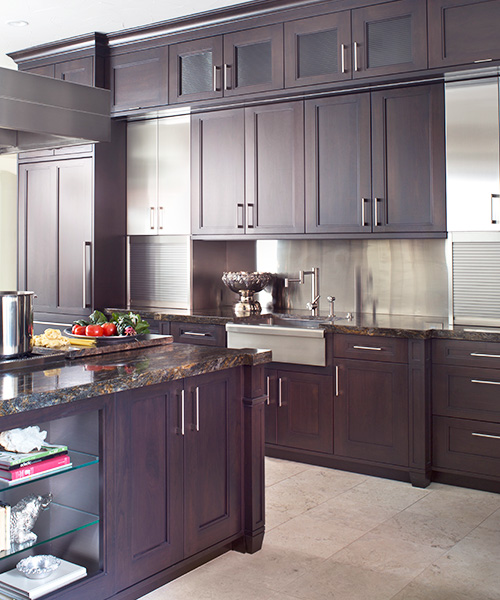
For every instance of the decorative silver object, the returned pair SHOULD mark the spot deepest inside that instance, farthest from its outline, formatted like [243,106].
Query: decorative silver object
[246,285]
[38,567]
[24,515]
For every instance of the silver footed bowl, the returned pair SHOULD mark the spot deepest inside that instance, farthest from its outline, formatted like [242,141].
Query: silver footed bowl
[38,567]
[239,281]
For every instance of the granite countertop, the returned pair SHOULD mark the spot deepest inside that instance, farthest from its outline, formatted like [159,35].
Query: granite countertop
[72,380]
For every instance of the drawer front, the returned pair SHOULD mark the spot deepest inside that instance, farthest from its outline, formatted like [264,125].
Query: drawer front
[198,333]
[367,347]
[466,392]
[462,352]
[467,446]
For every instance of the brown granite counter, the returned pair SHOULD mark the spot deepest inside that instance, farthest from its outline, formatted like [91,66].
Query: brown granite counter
[72,380]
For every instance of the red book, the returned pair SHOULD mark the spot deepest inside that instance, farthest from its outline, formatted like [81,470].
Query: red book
[54,462]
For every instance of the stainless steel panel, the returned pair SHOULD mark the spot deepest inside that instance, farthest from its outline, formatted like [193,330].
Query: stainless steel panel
[392,277]
[473,155]
[40,112]
[16,323]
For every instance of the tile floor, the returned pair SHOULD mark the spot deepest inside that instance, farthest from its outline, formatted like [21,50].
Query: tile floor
[332,535]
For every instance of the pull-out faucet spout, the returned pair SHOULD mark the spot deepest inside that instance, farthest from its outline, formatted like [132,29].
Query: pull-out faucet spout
[313,305]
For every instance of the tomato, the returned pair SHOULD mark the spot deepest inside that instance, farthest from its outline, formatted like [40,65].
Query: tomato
[78,330]
[94,330]
[109,328]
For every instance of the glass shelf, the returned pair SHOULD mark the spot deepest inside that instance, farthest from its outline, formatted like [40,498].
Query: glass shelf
[54,522]
[78,460]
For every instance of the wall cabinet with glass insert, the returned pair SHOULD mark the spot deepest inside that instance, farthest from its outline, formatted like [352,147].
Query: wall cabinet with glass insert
[375,40]
[238,63]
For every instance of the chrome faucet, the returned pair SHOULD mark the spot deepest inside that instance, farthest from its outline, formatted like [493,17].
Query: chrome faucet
[314,272]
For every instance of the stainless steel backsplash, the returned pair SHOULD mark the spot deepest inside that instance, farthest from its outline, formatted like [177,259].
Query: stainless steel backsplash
[393,277]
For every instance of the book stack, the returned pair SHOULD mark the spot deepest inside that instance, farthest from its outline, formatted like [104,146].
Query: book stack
[16,586]
[16,467]
[4,526]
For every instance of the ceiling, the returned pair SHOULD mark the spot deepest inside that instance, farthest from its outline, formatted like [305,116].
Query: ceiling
[51,20]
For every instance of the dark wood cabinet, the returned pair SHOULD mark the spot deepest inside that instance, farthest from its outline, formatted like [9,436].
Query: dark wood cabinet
[139,79]
[396,183]
[72,228]
[248,171]
[237,63]
[376,40]
[463,32]
[179,472]
[299,413]
[274,173]
[204,334]
[80,70]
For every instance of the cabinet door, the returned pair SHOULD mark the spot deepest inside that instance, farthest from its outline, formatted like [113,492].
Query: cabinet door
[139,79]
[217,172]
[212,459]
[338,167]
[38,241]
[274,157]
[196,70]
[389,38]
[80,70]
[142,177]
[75,260]
[318,49]
[149,482]
[408,160]
[305,411]
[371,411]
[463,32]
[253,60]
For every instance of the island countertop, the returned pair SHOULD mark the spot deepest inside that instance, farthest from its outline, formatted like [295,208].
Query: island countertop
[66,380]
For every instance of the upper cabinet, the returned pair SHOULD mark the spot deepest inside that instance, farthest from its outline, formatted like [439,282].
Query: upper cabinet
[139,79]
[375,162]
[463,32]
[376,40]
[237,63]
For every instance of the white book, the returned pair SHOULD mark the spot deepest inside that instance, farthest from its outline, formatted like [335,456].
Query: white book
[25,588]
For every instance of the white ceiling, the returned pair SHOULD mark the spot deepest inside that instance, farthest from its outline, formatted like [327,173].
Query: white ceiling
[51,20]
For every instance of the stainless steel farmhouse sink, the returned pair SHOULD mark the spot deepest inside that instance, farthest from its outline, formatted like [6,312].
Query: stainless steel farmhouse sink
[298,341]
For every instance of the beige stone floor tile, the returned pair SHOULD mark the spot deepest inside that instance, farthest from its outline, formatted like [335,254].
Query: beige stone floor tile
[277,470]
[396,495]
[492,522]
[335,581]
[316,537]
[437,532]
[433,587]
[387,554]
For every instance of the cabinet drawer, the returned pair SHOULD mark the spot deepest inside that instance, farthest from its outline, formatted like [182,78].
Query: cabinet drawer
[370,348]
[466,392]
[462,352]
[467,446]
[198,333]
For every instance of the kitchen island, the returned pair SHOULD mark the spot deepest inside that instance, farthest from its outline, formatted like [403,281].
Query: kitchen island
[167,449]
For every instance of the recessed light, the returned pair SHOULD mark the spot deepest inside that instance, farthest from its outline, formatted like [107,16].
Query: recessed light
[17,23]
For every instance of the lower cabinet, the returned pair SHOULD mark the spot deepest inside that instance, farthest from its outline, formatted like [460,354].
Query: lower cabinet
[299,413]
[178,472]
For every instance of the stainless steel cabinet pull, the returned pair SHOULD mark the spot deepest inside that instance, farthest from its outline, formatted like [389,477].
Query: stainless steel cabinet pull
[494,213]
[336,380]
[376,201]
[342,58]
[485,355]
[268,401]
[481,60]
[182,413]
[160,217]
[363,211]
[227,77]
[87,275]
[367,348]
[216,84]
[486,382]
[239,216]
[487,435]
[197,399]
[198,333]
[279,393]
[356,56]
[152,217]
[250,215]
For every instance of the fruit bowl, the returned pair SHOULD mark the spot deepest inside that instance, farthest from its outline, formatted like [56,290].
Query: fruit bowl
[246,285]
